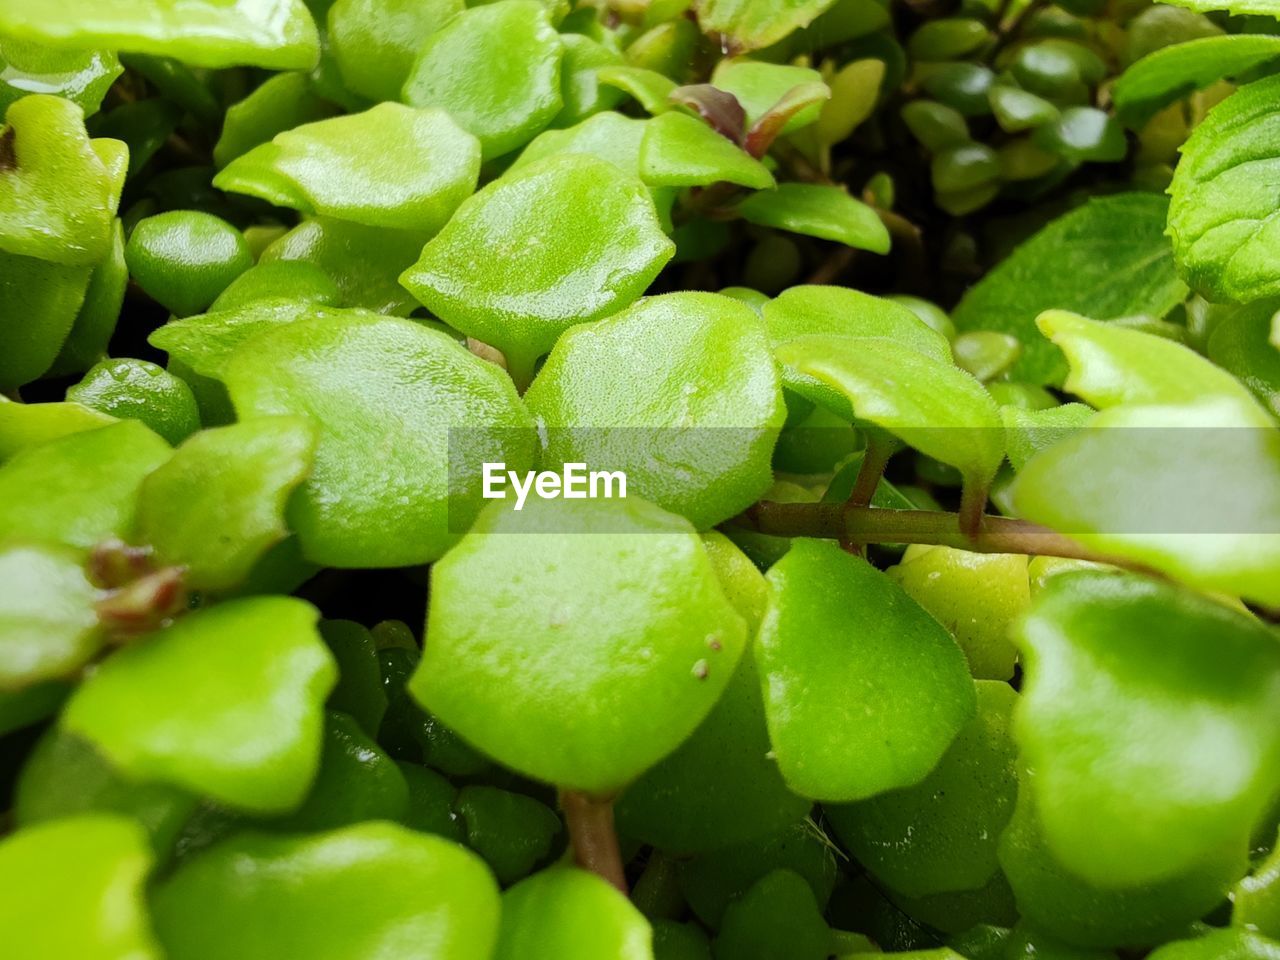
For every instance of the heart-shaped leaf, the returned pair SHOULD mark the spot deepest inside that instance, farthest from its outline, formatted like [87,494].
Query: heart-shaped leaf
[75,888]
[330,896]
[503,107]
[684,379]
[227,702]
[218,504]
[559,242]
[55,191]
[356,376]
[845,691]
[587,667]
[1174,696]
[573,915]
[278,34]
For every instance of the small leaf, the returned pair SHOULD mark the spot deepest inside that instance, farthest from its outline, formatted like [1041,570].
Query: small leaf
[87,482]
[956,421]
[279,103]
[276,34]
[790,112]
[817,211]
[719,108]
[48,627]
[329,896]
[587,668]
[1233,944]
[1106,259]
[81,76]
[1174,696]
[681,379]
[559,242]
[580,85]
[1027,432]
[218,504]
[776,917]
[855,90]
[76,888]
[511,831]
[1240,345]
[357,376]
[651,88]
[1173,72]
[571,915]
[760,87]
[251,738]
[504,108]
[1263,8]
[375,42]
[391,166]
[681,151]
[751,24]
[856,704]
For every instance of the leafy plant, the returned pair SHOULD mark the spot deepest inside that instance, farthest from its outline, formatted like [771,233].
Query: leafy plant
[878,401]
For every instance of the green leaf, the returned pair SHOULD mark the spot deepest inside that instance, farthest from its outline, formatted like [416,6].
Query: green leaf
[1263,8]
[1220,945]
[282,102]
[940,835]
[817,211]
[752,24]
[1112,365]
[184,258]
[81,76]
[681,151]
[55,192]
[606,136]
[511,831]
[48,627]
[277,34]
[359,692]
[357,377]
[496,69]
[329,896]
[776,917]
[759,86]
[580,86]
[976,596]
[557,243]
[64,776]
[138,390]
[1057,901]
[391,166]
[251,738]
[218,504]
[682,379]
[365,262]
[856,705]
[375,42]
[1224,228]
[1027,432]
[87,482]
[1256,898]
[75,888]
[95,322]
[1171,73]
[721,786]
[651,88]
[1106,259]
[548,668]
[1240,345]
[571,915]
[1169,693]
[955,421]
[25,425]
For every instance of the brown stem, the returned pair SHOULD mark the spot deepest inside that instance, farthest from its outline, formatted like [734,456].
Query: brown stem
[874,459]
[973,501]
[837,521]
[592,837]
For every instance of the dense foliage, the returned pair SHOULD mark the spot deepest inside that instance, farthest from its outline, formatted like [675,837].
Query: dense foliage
[938,342]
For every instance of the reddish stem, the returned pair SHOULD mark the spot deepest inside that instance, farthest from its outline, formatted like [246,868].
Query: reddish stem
[592,835]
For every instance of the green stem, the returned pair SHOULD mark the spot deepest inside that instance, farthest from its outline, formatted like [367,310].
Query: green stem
[592,836]
[861,525]
[656,893]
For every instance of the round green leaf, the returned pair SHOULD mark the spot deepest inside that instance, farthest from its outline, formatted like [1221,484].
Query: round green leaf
[683,379]
[496,69]
[218,504]
[589,665]
[87,482]
[74,888]
[571,915]
[227,702]
[355,892]
[511,831]
[359,377]
[777,917]
[1148,715]
[559,242]
[940,835]
[375,42]
[138,390]
[857,704]
[391,166]
[277,34]
[48,627]
[185,258]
